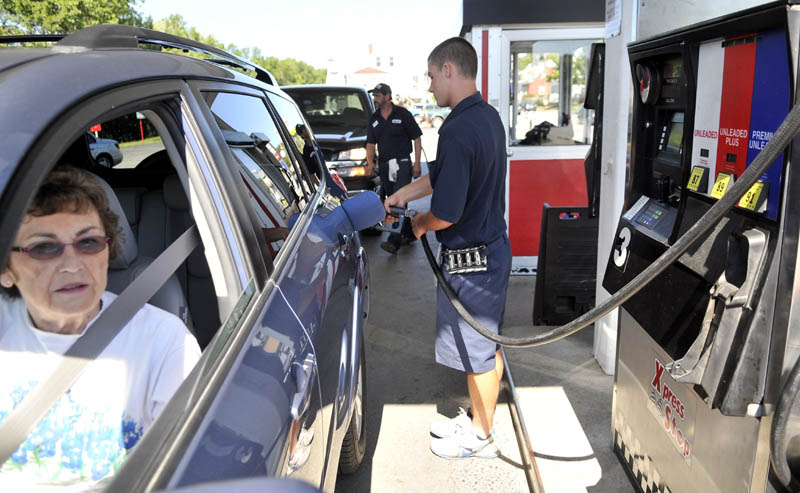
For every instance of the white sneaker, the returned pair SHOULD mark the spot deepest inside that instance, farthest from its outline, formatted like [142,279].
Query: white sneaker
[448,427]
[465,444]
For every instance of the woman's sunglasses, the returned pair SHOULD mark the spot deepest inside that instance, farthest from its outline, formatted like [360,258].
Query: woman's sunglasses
[47,250]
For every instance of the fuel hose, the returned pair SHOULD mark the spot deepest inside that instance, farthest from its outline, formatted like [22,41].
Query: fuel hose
[783,136]
[780,140]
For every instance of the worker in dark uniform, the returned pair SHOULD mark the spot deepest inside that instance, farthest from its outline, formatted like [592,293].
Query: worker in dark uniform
[467,183]
[393,128]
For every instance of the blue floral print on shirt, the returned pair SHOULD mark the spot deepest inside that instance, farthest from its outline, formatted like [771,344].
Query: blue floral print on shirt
[72,442]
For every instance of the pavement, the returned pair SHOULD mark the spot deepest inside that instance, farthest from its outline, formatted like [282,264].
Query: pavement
[565,396]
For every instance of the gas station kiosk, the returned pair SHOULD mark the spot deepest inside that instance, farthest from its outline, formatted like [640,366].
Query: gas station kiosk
[704,350]
[532,67]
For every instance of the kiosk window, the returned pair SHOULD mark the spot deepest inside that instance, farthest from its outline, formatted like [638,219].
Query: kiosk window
[548,88]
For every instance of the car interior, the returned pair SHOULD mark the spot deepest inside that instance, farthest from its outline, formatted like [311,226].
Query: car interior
[151,198]
[153,211]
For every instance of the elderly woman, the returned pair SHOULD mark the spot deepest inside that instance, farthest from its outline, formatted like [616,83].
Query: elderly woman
[54,283]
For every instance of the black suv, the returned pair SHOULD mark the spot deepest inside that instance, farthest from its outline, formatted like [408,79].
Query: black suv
[272,280]
[339,116]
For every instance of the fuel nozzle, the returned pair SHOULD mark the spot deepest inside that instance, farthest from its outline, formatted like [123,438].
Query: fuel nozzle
[662,186]
[399,212]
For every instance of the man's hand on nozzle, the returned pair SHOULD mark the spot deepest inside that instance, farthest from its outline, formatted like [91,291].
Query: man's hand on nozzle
[392,201]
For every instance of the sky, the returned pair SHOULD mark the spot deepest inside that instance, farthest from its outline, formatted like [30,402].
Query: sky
[316,30]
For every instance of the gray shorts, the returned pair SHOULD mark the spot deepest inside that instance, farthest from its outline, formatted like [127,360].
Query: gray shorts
[483,294]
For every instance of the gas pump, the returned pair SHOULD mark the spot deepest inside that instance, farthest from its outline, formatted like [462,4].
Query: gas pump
[703,349]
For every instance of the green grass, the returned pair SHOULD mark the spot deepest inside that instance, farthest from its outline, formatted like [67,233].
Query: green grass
[148,140]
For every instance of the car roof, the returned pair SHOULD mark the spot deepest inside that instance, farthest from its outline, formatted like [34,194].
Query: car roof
[87,62]
[316,87]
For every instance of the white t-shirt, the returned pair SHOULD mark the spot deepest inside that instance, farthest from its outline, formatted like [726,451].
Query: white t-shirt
[86,435]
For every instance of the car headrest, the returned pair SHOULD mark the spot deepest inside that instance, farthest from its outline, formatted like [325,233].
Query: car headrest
[128,248]
[351,113]
[174,194]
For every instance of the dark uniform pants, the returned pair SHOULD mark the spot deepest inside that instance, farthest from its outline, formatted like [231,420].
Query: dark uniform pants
[404,171]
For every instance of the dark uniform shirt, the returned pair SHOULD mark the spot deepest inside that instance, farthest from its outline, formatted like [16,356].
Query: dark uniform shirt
[394,134]
[469,176]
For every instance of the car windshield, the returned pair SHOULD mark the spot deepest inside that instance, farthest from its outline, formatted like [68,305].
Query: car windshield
[329,109]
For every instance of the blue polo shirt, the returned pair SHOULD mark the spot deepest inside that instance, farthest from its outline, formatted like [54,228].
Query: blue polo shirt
[393,135]
[469,176]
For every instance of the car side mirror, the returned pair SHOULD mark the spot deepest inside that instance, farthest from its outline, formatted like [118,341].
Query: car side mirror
[364,210]
[361,211]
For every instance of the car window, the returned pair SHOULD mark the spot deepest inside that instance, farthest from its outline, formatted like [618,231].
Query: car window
[150,210]
[333,108]
[154,202]
[245,121]
[269,175]
[123,142]
[548,88]
[292,119]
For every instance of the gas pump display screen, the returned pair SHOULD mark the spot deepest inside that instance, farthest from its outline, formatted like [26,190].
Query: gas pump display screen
[671,72]
[675,138]
[670,139]
[673,68]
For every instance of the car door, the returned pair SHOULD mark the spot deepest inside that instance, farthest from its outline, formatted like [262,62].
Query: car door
[251,407]
[333,265]
[263,388]
[317,275]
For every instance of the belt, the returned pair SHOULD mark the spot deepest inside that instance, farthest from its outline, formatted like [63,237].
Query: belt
[490,246]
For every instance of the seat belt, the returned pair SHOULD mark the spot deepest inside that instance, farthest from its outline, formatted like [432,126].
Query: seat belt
[38,402]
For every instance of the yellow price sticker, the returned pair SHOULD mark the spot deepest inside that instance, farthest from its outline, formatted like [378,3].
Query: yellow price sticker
[750,199]
[696,178]
[721,185]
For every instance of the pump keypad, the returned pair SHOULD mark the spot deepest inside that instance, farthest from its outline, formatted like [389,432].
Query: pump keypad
[654,219]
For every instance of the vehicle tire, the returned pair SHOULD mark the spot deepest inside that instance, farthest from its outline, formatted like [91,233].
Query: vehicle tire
[437,121]
[354,445]
[104,160]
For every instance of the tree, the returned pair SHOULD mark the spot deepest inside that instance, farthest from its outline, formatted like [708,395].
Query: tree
[66,16]
[579,66]
[287,71]
[175,24]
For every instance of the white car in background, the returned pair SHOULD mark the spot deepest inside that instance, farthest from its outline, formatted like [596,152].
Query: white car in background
[105,152]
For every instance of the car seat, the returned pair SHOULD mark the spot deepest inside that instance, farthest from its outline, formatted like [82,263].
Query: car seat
[353,115]
[129,264]
[164,214]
